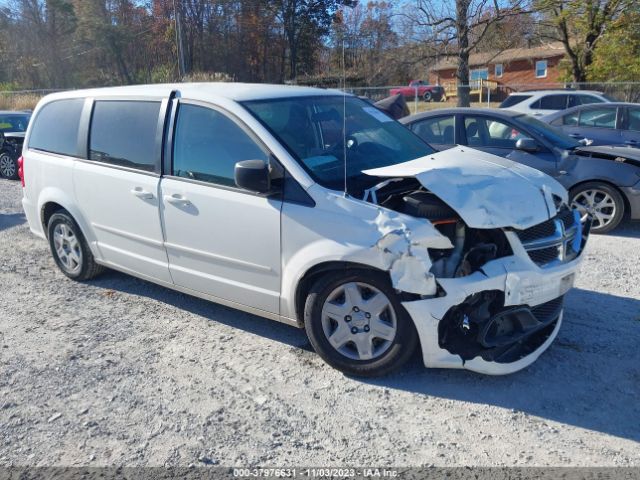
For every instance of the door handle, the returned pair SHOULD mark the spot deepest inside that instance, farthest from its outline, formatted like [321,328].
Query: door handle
[576,135]
[141,193]
[177,199]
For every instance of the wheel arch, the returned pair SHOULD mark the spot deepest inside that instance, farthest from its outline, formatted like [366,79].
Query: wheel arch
[627,205]
[53,199]
[315,272]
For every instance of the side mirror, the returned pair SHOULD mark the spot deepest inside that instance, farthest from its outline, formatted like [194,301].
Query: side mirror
[253,175]
[527,145]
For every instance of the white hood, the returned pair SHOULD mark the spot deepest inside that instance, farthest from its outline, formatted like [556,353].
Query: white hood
[487,191]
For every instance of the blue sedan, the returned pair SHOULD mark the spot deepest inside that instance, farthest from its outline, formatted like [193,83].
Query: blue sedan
[603,123]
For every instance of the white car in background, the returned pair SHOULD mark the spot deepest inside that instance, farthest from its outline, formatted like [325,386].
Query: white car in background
[544,102]
[255,197]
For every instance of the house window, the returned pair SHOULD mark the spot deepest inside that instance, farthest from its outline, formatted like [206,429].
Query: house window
[479,73]
[498,70]
[541,69]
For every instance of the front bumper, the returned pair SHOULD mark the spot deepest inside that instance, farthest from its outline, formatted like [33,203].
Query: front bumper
[519,280]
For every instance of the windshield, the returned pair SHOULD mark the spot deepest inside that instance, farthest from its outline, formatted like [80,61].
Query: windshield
[13,122]
[312,129]
[553,135]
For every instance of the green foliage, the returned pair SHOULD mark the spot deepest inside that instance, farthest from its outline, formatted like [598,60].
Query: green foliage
[617,56]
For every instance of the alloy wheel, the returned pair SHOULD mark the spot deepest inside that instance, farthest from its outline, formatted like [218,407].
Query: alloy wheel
[359,321]
[67,248]
[7,166]
[597,203]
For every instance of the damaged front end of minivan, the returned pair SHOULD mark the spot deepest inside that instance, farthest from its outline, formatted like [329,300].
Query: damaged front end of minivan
[486,273]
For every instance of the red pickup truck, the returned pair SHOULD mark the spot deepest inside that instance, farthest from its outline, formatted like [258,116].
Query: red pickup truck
[429,93]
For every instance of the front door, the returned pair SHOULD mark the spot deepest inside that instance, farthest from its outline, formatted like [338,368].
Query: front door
[220,240]
[499,137]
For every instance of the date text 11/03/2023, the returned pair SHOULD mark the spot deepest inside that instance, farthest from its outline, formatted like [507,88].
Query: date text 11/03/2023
[315,473]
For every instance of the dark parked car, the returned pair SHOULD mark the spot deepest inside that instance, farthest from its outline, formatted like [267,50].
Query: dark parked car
[13,126]
[602,181]
[605,124]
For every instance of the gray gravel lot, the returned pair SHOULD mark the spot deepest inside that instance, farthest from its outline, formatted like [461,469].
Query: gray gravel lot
[118,371]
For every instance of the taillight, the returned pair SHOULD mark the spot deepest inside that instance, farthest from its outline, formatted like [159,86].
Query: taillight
[21,169]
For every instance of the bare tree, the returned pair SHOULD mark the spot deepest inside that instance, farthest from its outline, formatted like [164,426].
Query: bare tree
[457,27]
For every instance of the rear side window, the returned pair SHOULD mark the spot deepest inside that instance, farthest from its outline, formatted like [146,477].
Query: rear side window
[551,102]
[436,130]
[207,145]
[598,117]
[633,119]
[512,100]
[55,128]
[569,119]
[124,133]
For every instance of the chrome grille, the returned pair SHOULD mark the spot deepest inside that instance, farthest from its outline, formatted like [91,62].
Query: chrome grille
[557,240]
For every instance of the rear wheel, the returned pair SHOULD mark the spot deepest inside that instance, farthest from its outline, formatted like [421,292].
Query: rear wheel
[600,200]
[70,249]
[8,166]
[427,96]
[356,323]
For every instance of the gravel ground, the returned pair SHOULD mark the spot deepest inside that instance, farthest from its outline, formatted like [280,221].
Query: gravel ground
[118,371]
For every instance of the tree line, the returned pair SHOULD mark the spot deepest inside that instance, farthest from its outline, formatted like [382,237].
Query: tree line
[83,43]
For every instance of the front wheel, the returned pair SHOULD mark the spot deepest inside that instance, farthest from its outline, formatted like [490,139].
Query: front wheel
[427,96]
[357,324]
[603,202]
[8,166]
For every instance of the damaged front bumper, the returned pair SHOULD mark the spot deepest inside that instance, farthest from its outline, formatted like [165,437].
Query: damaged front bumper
[520,305]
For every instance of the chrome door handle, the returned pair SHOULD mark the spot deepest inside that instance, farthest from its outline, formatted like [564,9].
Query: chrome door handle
[141,193]
[177,199]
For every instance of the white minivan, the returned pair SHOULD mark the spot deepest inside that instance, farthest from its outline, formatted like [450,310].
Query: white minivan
[310,207]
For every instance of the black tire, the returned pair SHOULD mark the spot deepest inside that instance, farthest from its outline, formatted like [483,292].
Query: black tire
[613,193]
[88,267]
[396,354]
[8,166]
[427,96]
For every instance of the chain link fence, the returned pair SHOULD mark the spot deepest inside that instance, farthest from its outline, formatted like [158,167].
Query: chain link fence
[487,93]
[22,99]
[484,93]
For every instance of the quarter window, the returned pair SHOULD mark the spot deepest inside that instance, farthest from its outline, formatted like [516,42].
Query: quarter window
[124,133]
[587,99]
[438,130]
[208,144]
[55,128]
[598,117]
[541,69]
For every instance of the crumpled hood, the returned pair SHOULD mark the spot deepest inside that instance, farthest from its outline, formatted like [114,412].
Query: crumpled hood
[487,191]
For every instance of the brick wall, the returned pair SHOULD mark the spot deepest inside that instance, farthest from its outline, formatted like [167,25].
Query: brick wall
[514,73]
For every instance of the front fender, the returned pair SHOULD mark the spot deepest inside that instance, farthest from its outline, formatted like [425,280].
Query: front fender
[582,169]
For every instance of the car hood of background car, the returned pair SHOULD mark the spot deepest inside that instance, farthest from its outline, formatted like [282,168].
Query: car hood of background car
[485,190]
[612,152]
